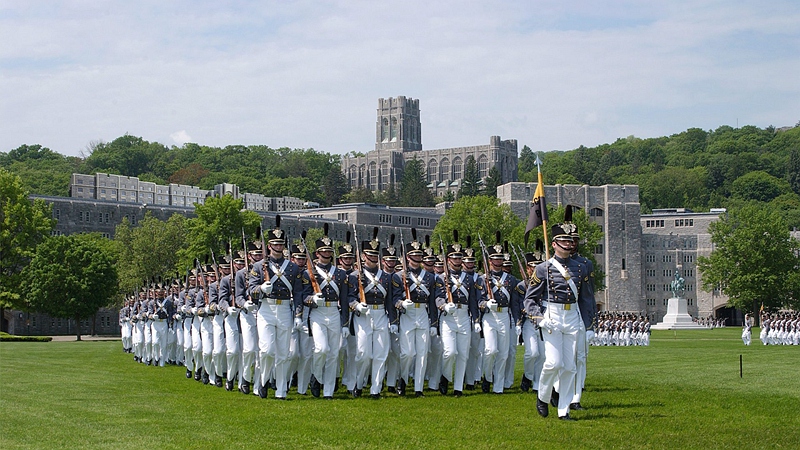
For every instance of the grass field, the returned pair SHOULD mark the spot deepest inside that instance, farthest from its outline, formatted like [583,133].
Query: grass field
[684,391]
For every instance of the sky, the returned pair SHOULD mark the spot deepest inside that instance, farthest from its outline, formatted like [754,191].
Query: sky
[308,74]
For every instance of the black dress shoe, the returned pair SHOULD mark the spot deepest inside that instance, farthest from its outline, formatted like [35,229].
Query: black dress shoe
[554,399]
[328,397]
[375,396]
[469,387]
[228,385]
[391,389]
[188,373]
[263,391]
[245,387]
[206,378]
[357,393]
[576,406]
[198,375]
[443,385]
[542,408]
[566,418]
[273,385]
[315,386]
[484,386]
[418,394]
[401,389]
[457,393]
[218,383]
[525,384]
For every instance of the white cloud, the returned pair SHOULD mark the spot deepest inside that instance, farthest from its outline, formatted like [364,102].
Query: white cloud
[180,137]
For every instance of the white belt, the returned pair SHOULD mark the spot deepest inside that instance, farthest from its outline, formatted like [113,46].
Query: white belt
[564,306]
[276,301]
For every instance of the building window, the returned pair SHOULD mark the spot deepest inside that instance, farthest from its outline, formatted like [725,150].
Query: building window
[373,175]
[688,258]
[688,273]
[665,302]
[433,171]
[667,272]
[651,258]
[457,168]
[384,175]
[385,218]
[444,170]
[483,166]
[596,212]
[651,272]
[394,129]
[404,220]
[651,288]
[423,222]
[343,217]
[598,249]
[623,263]
[666,258]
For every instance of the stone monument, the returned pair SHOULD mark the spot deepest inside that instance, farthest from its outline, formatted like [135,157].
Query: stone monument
[677,317]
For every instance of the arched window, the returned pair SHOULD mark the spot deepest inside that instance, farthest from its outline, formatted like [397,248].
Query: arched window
[362,175]
[457,168]
[444,170]
[385,130]
[384,175]
[433,171]
[352,176]
[373,175]
[483,166]
[394,129]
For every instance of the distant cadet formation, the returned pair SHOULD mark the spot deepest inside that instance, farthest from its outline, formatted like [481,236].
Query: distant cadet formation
[776,329]
[372,313]
[621,329]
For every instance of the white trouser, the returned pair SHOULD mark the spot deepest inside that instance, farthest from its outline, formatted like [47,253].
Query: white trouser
[126,335]
[457,334]
[172,340]
[138,338]
[393,360]
[434,371]
[159,337]
[148,341]
[746,337]
[496,334]
[581,353]
[347,356]
[326,330]
[249,324]
[218,356]
[475,359]
[301,350]
[372,348]
[414,333]
[188,355]
[207,337]
[560,354]
[275,324]
[232,347]
[511,361]
[177,327]
[197,343]
[530,339]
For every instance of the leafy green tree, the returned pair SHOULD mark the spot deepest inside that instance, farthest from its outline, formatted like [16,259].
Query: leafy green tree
[335,186]
[471,182]
[793,171]
[493,181]
[359,195]
[526,160]
[23,225]
[759,185]
[303,188]
[413,187]
[149,250]
[479,216]
[71,277]
[754,260]
[127,155]
[219,220]
[389,197]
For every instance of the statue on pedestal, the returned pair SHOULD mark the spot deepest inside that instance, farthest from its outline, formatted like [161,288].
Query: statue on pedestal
[677,285]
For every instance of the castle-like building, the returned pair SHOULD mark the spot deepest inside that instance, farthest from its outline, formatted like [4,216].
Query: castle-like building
[398,139]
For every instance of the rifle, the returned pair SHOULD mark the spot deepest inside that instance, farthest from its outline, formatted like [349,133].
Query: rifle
[232,299]
[403,262]
[361,296]
[522,271]
[446,270]
[264,255]
[246,265]
[309,265]
[485,258]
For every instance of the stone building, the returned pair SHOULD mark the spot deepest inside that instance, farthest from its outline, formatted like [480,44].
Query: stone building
[398,138]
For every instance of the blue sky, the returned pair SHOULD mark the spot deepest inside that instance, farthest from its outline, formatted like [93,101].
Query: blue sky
[553,75]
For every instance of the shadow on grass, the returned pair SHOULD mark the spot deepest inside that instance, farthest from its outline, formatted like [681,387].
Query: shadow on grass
[618,405]
[607,389]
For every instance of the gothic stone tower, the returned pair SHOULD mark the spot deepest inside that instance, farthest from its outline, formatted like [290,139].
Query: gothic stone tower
[398,127]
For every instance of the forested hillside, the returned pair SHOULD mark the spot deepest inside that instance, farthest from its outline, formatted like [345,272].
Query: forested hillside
[696,169]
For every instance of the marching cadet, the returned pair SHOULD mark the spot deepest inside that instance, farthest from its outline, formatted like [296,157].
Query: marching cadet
[560,286]
[187,308]
[746,326]
[251,375]
[278,284]
[458,311]
[219,345]
[533,358]
[516,336]
[328,316]
[474,369]
[415,294]
[373,314]
[159,325]
[301,340]
[230,313]
[207,323]
[433,263]
[500,310]
[125,326]
[148,330]
[177,324]
[389,262]
[347,349]
[198,306]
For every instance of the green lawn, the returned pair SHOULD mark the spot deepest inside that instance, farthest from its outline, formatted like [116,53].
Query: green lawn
[683,391]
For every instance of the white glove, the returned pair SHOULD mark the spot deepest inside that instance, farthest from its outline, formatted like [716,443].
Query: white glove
[193,310]
[232,310]
[207,309]
[152,316]
[318,299]
[266,287]
[589,335]
[345,332]
[407,303]
[185,309]
[492,305]
[518,329]
[449,308]
[476,328]
[393,329]
[362,308]
[250,306]
[298,323]
[433,331]
[546,324]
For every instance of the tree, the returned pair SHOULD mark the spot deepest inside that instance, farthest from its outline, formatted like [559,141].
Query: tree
[413,187]
[335,186]
[793,171]
[218,221]
[526,160]
[754,260]
[359,195]
[149,250]
[389,197]
[493,180]
[471,183]
[759,185]
[23,225]
[71,277]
